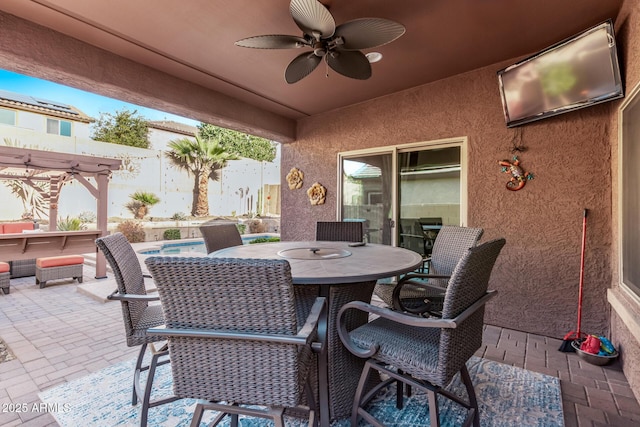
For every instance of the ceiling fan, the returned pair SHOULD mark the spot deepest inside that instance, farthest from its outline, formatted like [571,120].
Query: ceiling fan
[339,46]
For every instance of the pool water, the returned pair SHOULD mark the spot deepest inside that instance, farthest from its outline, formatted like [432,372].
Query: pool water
[196,247]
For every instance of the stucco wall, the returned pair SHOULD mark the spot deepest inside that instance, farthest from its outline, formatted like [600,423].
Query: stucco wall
[625,324]
[537,274]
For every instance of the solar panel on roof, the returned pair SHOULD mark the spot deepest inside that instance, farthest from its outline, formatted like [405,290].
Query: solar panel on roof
[36,102]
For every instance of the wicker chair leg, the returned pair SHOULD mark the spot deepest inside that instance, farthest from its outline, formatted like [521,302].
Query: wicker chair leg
[364,377]
[136,375]
[144,415]
[434,412]
[473,401]
[197,416]
[399,392]
[147,403]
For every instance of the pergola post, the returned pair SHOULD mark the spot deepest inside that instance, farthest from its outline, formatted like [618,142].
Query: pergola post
[102,180]
[54,192]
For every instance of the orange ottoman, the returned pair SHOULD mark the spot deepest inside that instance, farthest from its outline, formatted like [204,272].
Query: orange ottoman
[4,277]
[58,267]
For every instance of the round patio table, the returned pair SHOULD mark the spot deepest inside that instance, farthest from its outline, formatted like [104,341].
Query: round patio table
[341,273]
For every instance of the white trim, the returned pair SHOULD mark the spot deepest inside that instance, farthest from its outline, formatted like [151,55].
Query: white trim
[631,97]
[623,300]
[620,299]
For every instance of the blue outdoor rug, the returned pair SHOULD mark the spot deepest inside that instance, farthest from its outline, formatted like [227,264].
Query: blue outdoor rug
[507,396]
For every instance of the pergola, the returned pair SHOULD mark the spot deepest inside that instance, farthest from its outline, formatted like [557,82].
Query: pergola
[33,166]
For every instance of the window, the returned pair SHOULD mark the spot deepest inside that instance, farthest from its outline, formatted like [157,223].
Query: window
[59,127]
[7,117]
[629,196]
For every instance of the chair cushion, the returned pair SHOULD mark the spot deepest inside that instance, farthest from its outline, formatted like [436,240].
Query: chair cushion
[59,261]
[4,267]
[16,227]
[412,349]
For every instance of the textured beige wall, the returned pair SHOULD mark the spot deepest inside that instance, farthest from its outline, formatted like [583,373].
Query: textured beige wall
[622,331]
[538,272]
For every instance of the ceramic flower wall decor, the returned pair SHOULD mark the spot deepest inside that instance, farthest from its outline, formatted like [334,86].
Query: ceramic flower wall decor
[317,194]
[295,179]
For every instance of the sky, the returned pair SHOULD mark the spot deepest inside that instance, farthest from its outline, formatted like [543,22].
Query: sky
[89,103]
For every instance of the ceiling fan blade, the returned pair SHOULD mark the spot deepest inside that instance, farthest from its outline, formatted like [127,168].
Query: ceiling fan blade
[366,33]
[275,41]
[301,67]
[350,63]
[313,18]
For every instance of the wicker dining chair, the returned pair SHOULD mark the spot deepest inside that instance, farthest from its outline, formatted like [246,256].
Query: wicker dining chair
[340,231]
[220,235]
[138,315]
[234,336]
[450,245]
[426,352]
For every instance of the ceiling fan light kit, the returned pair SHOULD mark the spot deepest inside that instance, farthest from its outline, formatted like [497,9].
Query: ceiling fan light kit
[339,46]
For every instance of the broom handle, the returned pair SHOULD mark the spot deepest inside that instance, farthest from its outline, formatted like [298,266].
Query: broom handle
[584,239]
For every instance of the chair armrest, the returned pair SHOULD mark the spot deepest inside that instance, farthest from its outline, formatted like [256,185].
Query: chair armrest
[403,318]
[301,338]
[414,236]
[310,327]
[117,296]
[397,301]
[413,275]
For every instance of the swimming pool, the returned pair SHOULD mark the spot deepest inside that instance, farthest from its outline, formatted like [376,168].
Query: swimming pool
[194,247]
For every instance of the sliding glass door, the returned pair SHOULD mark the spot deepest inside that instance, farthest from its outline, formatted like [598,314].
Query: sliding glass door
[404,194]
[428,195]
[367,194]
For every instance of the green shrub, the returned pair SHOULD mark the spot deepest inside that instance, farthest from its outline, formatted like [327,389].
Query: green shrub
[172,234]
[241,228]
[132,230]
[70,224]
[265,240]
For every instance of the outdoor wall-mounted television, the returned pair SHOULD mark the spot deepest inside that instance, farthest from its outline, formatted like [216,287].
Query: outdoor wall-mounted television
[578,72]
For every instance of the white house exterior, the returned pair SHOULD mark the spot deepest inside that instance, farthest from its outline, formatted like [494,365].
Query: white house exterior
[47,125]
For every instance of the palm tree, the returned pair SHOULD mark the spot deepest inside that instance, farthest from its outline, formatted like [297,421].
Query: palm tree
[31,196]
[140,203]
[200,158]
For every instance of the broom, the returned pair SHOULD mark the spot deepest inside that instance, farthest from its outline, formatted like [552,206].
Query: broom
[577,334]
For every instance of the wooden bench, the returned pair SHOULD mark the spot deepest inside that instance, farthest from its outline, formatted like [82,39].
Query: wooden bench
[4,278]
[58,267]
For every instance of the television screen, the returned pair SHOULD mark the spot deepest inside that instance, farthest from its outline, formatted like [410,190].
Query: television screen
[575,73]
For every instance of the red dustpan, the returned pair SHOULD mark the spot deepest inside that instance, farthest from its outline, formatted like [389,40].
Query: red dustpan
[577,334]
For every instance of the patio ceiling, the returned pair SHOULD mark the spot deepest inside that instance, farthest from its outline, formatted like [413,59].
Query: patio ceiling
[194,41]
